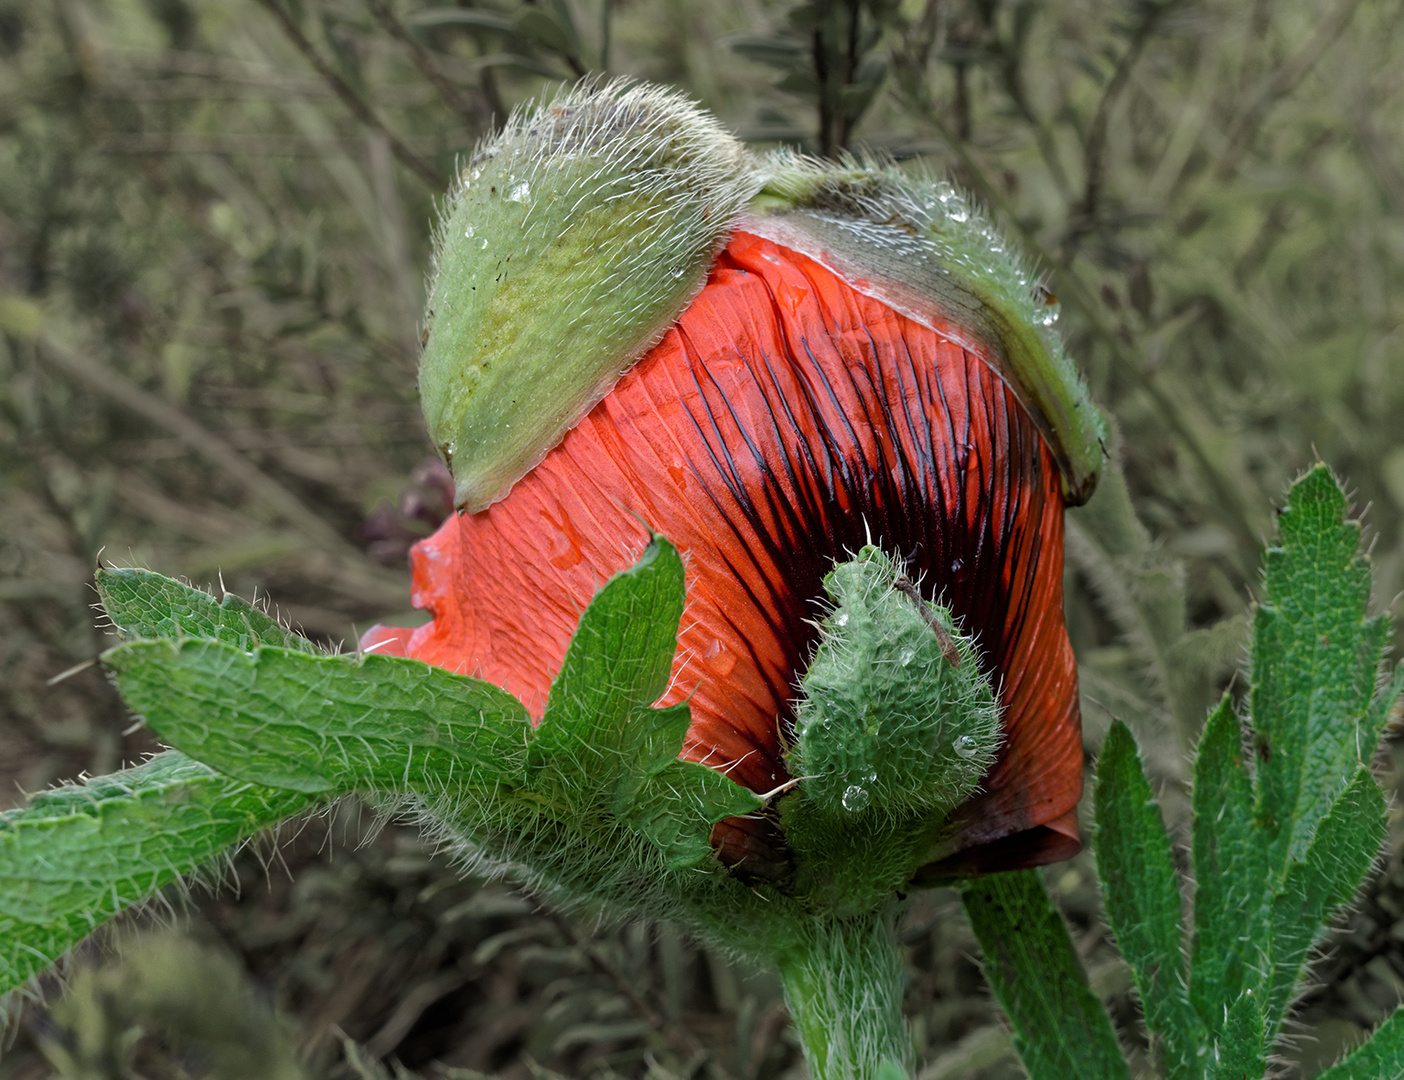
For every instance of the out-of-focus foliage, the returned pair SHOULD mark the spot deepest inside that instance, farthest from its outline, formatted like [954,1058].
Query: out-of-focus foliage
[214,220]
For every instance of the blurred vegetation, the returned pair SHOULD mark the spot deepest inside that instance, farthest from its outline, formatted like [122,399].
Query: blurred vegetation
[219,211]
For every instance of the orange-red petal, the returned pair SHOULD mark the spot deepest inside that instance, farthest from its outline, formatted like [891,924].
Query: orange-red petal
[784,421]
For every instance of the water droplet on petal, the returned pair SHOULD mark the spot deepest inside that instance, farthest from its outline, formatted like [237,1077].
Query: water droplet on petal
[719,658]
[855,798]
[792,296]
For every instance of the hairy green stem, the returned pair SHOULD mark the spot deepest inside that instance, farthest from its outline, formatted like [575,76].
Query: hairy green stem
[843,984]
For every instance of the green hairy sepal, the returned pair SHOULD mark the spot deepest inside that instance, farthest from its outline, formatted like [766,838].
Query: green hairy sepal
[895,716]
[925,249]
[571,242]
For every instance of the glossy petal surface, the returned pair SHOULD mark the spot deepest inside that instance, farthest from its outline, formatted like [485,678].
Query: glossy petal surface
[784,421]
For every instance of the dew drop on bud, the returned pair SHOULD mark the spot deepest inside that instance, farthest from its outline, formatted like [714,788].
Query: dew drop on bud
[906,656]
[966,746]
[468,232]
[520,194]
[842,619]
[855,798]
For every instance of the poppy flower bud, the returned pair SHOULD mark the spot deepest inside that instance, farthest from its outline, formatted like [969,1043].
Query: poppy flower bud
[569,244]
[865,364]
[895,717]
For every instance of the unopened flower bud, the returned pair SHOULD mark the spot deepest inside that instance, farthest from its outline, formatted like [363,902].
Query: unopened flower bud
[888,723]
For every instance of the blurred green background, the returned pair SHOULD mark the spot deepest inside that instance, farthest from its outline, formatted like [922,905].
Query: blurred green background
[214,223]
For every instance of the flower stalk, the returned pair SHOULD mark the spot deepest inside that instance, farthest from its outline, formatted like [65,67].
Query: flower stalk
[843,983]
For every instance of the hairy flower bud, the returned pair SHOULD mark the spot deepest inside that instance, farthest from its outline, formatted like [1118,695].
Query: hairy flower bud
[850,373]
[895,716]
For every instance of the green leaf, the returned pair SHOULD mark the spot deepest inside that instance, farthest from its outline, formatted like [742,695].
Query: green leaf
[1277,851]
[602,746]
[1381,1055]
[1061,1030]
[544,29]
[617,666]
[315,723]
[785,53]
[1314,664]
[1233,897]
[286,719]
[1142,895]
[1238,1051]
[668,807]
[470,17]
[1346,844]
[77,855]
[142,604]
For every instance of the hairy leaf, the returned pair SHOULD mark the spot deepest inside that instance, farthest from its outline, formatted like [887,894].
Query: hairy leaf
[1061,1030]
[1277,850]
[285,719]
[1346,844]
[1238,1050]
[1142,895]
[1232,900]
[1379,1056]
[142,604]
[1315,658]
[77,855]
[601,744]
[314,723]
[617,666]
